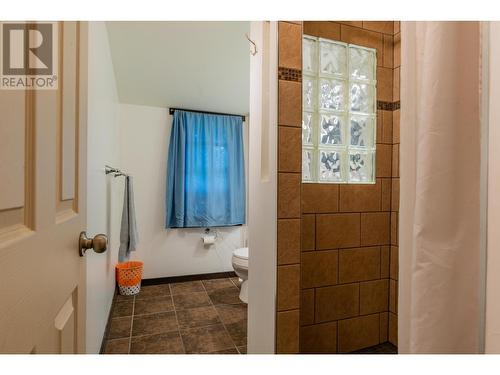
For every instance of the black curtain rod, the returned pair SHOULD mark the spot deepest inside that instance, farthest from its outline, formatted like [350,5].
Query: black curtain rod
[172,110]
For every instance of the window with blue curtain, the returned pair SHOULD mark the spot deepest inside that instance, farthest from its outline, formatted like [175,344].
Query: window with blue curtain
[205,171]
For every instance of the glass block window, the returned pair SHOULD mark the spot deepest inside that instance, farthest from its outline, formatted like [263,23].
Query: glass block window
[338,112]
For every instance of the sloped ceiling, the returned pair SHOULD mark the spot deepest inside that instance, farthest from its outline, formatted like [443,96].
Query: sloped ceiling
[193,65]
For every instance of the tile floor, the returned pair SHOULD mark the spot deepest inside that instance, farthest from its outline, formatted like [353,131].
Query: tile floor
[385,348]
[203,316]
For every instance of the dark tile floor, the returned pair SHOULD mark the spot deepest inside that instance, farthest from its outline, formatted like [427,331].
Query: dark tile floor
[204,316]
[385,348]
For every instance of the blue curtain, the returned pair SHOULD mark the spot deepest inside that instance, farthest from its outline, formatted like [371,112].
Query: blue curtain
[205,171]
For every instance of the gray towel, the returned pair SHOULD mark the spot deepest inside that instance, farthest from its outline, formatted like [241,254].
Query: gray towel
[128,233]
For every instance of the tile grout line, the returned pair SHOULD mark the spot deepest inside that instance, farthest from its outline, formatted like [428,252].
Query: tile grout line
[177,319]
[153,334]
[349,212]
[131,326]
[231,278]
[360,27]
[345,319]
[352,282]
[203,326]
[220,318]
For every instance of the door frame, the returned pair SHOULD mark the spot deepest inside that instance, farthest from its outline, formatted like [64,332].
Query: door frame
[489,334]
[83,117]
[263,174]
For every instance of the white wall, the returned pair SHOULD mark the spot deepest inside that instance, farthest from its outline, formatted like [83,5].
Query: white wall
[104,194]
[145,133]
[195,65]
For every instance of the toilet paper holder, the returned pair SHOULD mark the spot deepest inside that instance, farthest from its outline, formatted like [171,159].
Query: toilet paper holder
[208,238]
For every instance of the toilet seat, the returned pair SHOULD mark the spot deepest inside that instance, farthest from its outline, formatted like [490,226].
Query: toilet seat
[241,253]
[240,257]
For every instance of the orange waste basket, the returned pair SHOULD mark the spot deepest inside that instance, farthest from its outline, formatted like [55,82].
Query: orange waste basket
[128,276]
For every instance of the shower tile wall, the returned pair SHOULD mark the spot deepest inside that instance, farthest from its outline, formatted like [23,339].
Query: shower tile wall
[289,186]
[348,258]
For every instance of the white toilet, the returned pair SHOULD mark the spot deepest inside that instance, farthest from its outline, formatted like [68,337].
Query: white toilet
[240,266]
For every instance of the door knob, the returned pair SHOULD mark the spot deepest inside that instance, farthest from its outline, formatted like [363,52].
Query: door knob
[99,243]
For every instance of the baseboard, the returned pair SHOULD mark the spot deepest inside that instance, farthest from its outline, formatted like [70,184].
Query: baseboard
[180,279]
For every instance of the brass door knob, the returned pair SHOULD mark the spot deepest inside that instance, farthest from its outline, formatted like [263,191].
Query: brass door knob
[99,243]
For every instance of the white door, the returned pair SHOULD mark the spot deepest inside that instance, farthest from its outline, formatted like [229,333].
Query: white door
[42,207]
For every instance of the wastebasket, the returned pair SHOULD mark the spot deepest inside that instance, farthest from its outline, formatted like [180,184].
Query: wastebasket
[128,276]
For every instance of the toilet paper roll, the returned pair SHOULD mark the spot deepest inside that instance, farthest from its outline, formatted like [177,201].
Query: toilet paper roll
[208,240]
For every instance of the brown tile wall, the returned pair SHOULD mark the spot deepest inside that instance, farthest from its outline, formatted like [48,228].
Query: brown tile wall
[289,187]
[337,292]
[346,229]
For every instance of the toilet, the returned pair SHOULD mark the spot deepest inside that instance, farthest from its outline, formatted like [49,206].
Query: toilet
[240,266]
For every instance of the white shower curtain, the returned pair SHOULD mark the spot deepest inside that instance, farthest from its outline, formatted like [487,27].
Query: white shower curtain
[440,173]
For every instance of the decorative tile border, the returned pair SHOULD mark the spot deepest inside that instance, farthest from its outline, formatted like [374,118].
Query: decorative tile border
[288,74]
[295,75]
[388,106]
